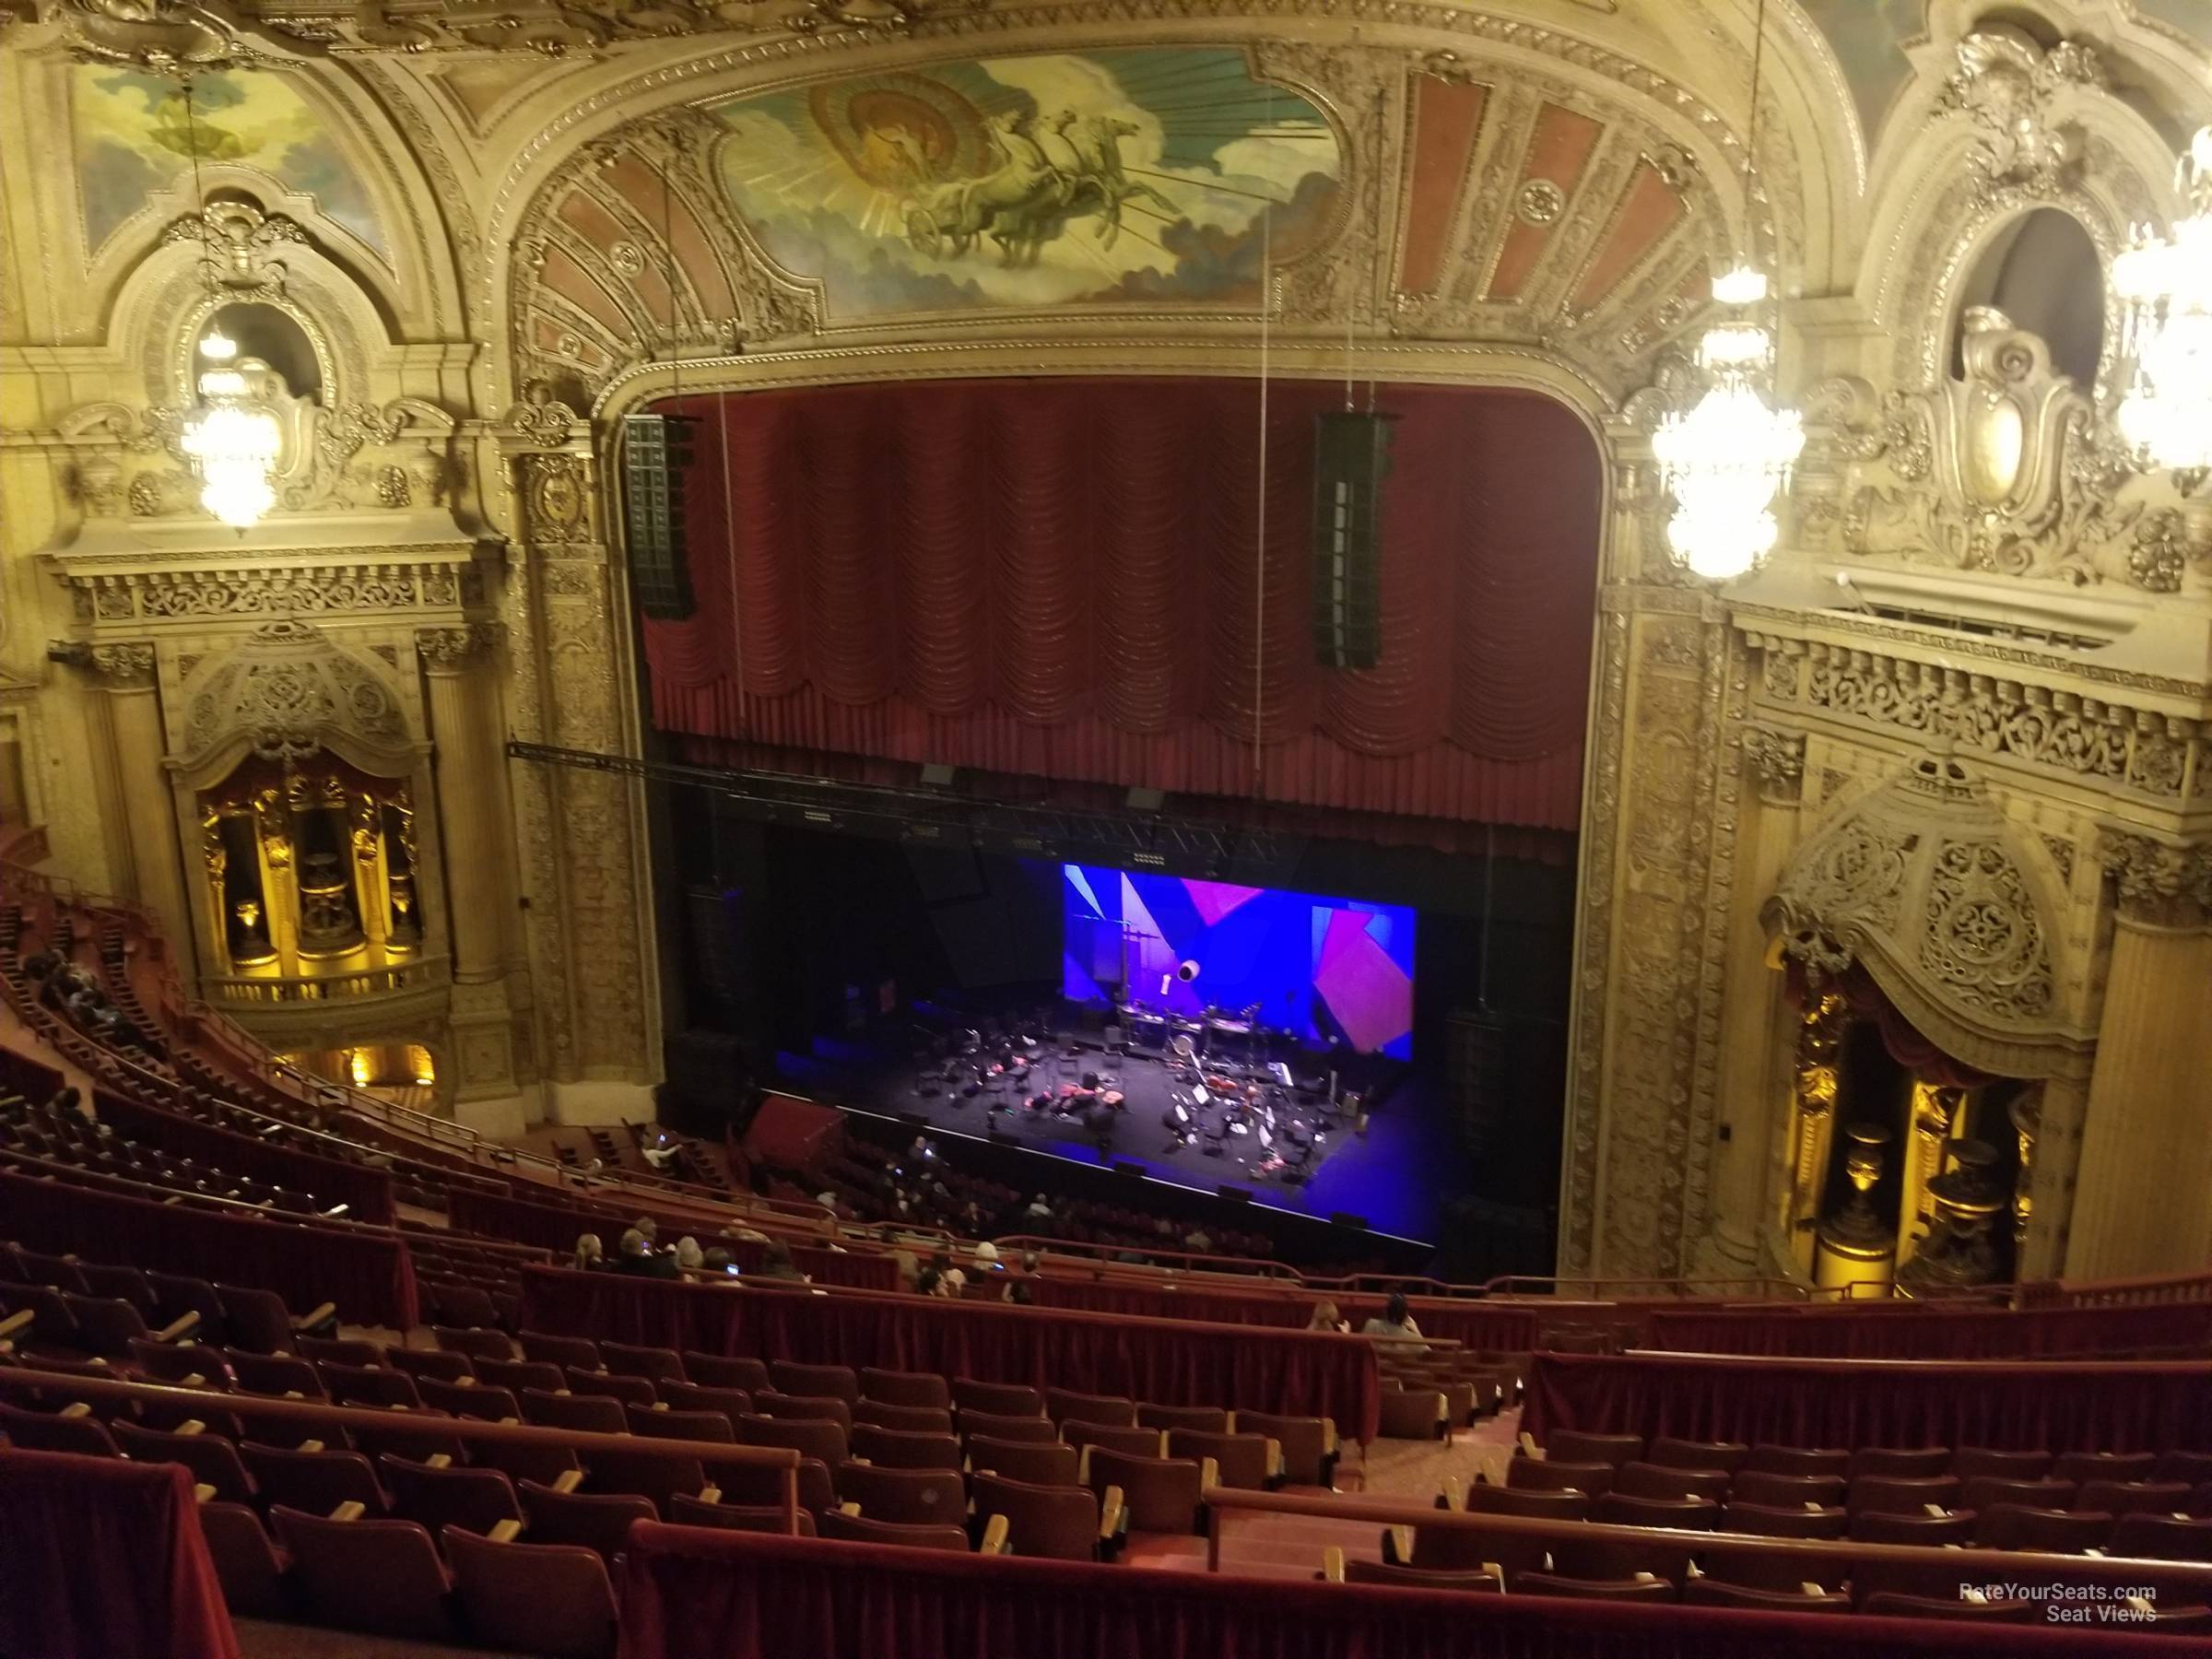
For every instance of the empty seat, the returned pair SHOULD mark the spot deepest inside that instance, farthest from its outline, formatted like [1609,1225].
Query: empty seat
[1001,1399]
[1969,1462]
[1055,1522]
[1202,1420]
[816,1382]
[51,1431]
[1040,1464]
[599,1521]
[653,1364]
[1250,1462]
[804,1435]
[1061,1404]
[1797,1460]
[1707,1591]
[339,1351]
[312,1482]
[214,1460]
[276,1374]
[176,1294]
[1982,1491]
[1891,1604]
[589,1414]
[911,1497]
[1757,1486]
[477,1343]
[630,1390]
[547,1348]
[1901,1463]
[1039,1429]
[247,1564]
[861,1528]
[1658,1480]
[258,1320]
[475,1499]
[1686,1514]
[488,1403]
[518,1374]
[2022,1527]
[1900,1494]
[914,1419]
[1670,1453]
[1414,1414]
[2132,1497]
[1581,1589]
[1126,1438]
[549,1599]
[722,1370]
[108,1326]
[899,1448]
[379,1576]
[2195,1468]
[1567,1445]
[761,1486]
[1541,1475]
[821,1408]
[1882,1527]
[2082,1467]
[373,1386]
[1161,1494]
[1418,1578]
[1541,1506]
[904,1388]
[734,1517]
[644,1469]
[2163,1537]
[429,1364]
[733,1402]
[1768,1521]
[655,1424]
[1599,1554]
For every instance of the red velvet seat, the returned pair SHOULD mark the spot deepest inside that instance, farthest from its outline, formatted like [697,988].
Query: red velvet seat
[819,1409]
[1038,1429]
[1900,1494]
[1798,1460]
[515,1375]
[1785,1491]
[924,1389]
[383,1577]
[1669,1454]
[865,1529]
[1768,1521]
[815,1382]
[597,1521]
[722,1370]
[655,1365]
[1706,1592]
[475,1499]
[1052,1464]
[2053,1531]
[1599,1556]
[2132,1497]
[544,1347]
[484,1402]
[214,1460]
[804,1435]
[651,1424]
[1658,1480]
[1969,1462]
[1567,1445]
[587,1413]
[252,1571]
[50,1432]
[2163,1537]
[1127,1438]
[759,1485]
[733,1402]
[339,1351]
[1417,1578]
[1901,1463]
[1980,1491]
[736,1517]
[276,1374]
[553,1600]
[2085,1467]
[1541,1475]
[630,1390]
[913,1419]
[1000,1399]
[1581,1589]
[1201,1419]
[1244,1461]
[1162,1493]
[1057,1522]
[1685,1514]
[1119,1410]
[312,1482]
[646,1471]
[371,1386]
[1485,1499]
[477,1344]
[1928,1532]
[1891,1604]
[429,1365]
[897,1449]
[911,1497]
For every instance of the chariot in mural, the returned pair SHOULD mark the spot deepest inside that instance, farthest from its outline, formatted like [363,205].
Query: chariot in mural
[1050,174]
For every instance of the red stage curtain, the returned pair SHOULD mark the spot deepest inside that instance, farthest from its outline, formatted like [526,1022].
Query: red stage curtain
[1160,1361]
[1934,1333]
[1874,1403]
[368,1192]
[105,1559]
[368,1274]
[691,1594]
[1065,578]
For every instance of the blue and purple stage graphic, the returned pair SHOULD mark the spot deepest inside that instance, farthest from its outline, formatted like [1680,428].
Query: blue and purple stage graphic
[1331,970]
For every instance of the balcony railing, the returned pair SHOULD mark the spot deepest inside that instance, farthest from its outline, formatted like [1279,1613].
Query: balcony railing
[285,992]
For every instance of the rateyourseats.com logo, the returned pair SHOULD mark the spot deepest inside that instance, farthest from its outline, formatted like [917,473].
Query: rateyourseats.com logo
[2075,1603]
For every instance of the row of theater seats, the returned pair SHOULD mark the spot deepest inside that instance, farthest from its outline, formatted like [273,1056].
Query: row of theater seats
[463,1280]
[86,1311]
[54,1133]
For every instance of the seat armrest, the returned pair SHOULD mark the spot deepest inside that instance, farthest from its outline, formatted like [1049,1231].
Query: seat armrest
[1332,1564]
[16,1323]
[351,1510]
[75,1409]
[1111,1517]
[202,1493]
[179,1327]
[1397,1546]
[1329,1442]
[505,1532]
[709,1493]
[1528,1445]
[321,1313]
[1209,1474]
[994,1538]
[568,1480]
[439,1460]
[190,1426]
[311,1445]
[1454,1495]
[1083,1467]
[851,1510]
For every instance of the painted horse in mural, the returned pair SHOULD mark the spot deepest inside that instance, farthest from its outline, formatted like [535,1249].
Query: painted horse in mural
[1028,199]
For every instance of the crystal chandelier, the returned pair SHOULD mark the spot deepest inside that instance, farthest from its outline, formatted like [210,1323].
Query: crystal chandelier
[1725,460]
[2164,285]
[232,438]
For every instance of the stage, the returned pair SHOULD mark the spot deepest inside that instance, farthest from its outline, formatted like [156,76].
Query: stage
[1397,1176]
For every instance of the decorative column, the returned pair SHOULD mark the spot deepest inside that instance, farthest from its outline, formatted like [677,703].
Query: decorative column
[2143,1201]
[472,811]
[1754,1023]
[127,674]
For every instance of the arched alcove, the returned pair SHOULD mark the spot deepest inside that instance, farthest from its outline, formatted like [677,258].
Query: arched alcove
[2043,271]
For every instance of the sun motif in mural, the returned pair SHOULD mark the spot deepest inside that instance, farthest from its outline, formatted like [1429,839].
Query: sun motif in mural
[1155,173]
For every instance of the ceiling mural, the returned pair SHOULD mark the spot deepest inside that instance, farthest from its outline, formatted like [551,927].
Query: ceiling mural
[135,135]
[1869,38]
[1148,175]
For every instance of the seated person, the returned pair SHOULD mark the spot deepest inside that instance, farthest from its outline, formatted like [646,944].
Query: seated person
[1393,1322]
[638,1258]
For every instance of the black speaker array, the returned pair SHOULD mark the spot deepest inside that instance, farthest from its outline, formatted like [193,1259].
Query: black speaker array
[1351,458]
[656,448]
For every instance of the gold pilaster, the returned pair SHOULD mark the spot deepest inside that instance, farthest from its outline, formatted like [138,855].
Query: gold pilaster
[127,674]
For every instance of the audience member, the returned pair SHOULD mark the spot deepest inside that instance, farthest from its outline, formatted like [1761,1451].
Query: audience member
[1394,1321]
[689,1257]
[590,1253]
[640,1260]
[779,1267]
[1327,1318]
[1038,1209]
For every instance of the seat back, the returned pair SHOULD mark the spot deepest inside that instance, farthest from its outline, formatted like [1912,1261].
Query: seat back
[435,1365]
[804,1435]
[1930,1532]
[1658,1480]
[733,1402]
[1418,1578]
[128,1283]
[653,1364]
[1683,1515]
[599,1521]
[722,1370]
[924,1389]
[1242,1461]
[1980,1491]
[246,1564]
[1901,1463]
[645,1471]
[257,1320]
[756,1485]
[1773,1521]
[1520,1500]
[588,1414]
[312,1482]
[1568,1445]
[2023,1526]
[1061,1404]
[901,1449]
[518,1374]
[1114,1437]
[1900,1494]
[488,1403]
[2162,1538]
[908,1496]
[1161,1494]
[630,1390]
[1602,1557]
[1541,1475]
[1671,1454]
[1708,1591]
[1042,1430]
[1001,1399]
[339,1351]
[865,1529]
[373,1386]
[474,1499]
[815,1382]
[2085,1467]
[913,1420]
[1798,1460]
[214,1460]
[819,1409]
[1039,1464]
[46,1431]
[1972,1463]
[276,1374]
[549,1599]
[1057,1522]
[1201,1419]
[177,1294]
[680,1424]
[477,1342]
[379,1576]
[1890,1603]
[547,1348]
[1787,1491]
[1581,1589]
[106,1326]
[2132,1497]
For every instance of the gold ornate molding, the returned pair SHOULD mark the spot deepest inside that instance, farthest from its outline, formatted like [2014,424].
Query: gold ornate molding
[1777,758]
[2160,885]
[124,666]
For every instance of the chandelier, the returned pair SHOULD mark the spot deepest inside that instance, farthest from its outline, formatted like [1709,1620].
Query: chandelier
[2164,285]
[232,438]
[1726,459]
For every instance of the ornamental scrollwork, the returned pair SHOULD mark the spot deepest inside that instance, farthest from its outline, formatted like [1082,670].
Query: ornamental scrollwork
[2010,88]
[289,690]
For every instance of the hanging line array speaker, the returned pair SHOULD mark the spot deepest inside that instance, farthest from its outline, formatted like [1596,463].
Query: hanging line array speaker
[1351,458]
[656,452]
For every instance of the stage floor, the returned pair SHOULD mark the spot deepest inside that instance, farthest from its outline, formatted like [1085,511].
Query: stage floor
[1399,1175]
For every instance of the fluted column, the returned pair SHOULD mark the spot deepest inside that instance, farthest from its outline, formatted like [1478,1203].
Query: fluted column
[1755,1093]
[470,769]
[126,675]
[2143,1201]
